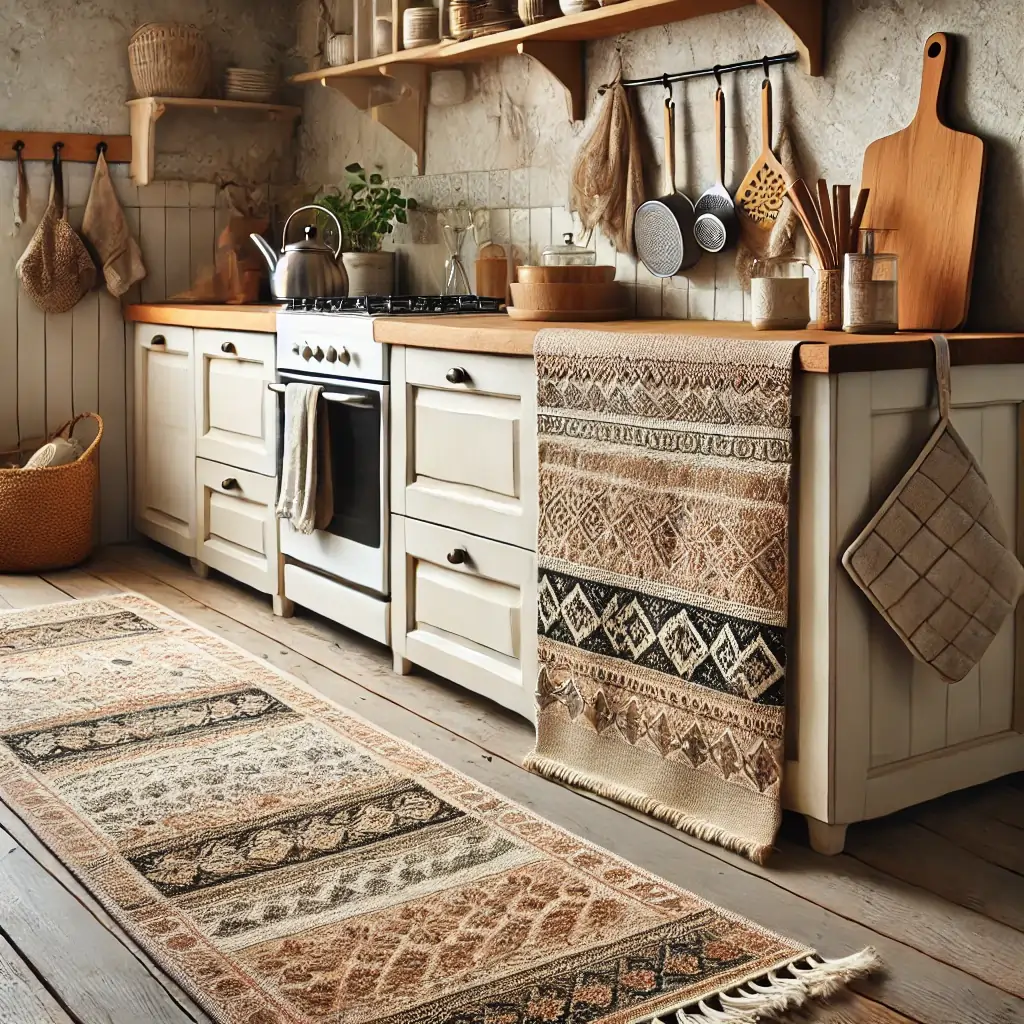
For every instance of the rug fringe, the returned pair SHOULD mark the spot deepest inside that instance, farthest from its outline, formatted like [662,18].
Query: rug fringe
[698,827]
[775,993]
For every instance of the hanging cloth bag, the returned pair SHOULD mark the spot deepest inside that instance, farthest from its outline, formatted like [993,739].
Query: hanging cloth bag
[56,269]
[105,228]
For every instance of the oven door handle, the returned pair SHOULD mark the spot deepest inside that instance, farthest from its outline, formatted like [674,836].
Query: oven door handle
[354,401]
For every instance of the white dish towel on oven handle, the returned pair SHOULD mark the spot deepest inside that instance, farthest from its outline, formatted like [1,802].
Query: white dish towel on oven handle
[297,500]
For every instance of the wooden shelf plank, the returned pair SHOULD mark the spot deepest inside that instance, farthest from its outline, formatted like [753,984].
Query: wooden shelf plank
[804,18]
[144,114]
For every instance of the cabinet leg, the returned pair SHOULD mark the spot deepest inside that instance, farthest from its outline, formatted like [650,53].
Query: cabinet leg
[825,838]
[199,568]
[283,607]
[403,666]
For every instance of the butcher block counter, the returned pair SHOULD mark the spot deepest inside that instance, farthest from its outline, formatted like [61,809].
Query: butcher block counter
[824,351]
[259,318]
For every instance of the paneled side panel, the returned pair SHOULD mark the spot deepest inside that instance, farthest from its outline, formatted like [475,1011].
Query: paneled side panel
[963,711]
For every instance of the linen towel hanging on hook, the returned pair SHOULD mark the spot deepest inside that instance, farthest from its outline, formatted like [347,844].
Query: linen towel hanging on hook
[56,270]
[106,230]
[607,177]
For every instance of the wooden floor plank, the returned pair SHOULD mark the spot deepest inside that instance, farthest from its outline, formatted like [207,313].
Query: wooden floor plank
[972,829]
[92,973]
[851,1008]
[26,591]
[893,906]
[916,985]
[79,583]
[23,1000]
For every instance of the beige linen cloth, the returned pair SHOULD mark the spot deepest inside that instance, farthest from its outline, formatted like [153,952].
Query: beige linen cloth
[106,230]
[306,480]
[935,559]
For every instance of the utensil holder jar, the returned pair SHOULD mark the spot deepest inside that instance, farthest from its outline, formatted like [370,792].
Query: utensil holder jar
[828,301]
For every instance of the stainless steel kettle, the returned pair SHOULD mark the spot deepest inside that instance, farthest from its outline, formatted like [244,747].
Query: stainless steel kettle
[306,269]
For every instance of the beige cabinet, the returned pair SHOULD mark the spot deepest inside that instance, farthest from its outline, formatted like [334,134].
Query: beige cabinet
[165,504]
[464,522]
[236,414]
[237,530]
[206,450]
[467,610]
[464,442]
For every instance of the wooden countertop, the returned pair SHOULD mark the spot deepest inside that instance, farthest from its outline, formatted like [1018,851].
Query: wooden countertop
[223,318]
[823,351]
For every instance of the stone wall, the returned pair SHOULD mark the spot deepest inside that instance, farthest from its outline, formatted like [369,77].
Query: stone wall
[514,121]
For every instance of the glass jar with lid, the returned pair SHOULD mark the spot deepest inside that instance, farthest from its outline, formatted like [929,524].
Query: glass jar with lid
[568,254]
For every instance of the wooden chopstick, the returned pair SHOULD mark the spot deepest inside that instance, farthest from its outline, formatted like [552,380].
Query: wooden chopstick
[800,196]
[857,218]
[827,221]
[841,209]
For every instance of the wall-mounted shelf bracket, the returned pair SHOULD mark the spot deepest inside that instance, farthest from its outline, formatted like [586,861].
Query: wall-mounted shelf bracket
[564,62]
[397,98]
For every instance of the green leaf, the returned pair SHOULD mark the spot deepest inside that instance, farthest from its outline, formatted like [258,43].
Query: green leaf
[401,217]
[354,169]
[376,179]
[412,204]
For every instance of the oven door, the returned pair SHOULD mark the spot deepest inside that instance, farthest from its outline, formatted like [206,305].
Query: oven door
[354,546]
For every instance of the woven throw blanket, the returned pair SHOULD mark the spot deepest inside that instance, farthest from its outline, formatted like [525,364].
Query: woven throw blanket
[662,559]
[290,863]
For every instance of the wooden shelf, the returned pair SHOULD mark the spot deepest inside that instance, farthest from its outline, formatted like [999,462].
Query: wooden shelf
[146,112]
[556,43]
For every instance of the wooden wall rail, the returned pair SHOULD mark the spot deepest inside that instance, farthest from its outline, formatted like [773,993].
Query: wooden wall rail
[78,147]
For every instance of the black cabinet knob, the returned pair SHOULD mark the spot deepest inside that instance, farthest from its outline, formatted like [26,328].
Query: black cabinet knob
[158,339]
[458,556]
[227,346]
[230,484]
[456,375]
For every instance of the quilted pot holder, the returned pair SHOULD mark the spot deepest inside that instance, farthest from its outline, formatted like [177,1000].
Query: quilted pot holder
[935,559]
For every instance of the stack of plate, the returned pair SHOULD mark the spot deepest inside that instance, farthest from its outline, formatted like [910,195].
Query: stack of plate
[568,293]
[249,85]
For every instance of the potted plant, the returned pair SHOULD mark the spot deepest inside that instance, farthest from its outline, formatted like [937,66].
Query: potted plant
[368,211]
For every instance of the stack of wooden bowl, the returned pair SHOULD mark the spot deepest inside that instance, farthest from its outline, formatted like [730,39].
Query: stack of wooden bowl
[568,293]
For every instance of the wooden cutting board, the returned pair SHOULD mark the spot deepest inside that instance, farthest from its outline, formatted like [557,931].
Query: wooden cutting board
[925,199]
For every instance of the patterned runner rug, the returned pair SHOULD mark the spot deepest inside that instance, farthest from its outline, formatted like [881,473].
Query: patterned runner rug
[662,556]
[288,863]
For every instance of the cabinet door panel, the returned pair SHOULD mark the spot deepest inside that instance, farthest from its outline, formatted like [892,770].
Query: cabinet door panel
[465,442]
[237,528]
[465,608]
[236,414]
[165,436]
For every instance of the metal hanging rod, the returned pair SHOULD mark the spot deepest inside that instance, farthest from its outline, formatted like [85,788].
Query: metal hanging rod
[718,70]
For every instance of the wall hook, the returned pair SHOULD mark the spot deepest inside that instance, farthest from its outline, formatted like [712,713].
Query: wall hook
[18,146]
[101,147]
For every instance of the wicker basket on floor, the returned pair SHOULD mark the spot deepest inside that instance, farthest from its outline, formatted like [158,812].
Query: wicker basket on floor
[46,515]
[169,59]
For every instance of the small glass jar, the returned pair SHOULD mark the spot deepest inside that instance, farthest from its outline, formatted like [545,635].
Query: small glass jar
[871,291]
[780,296]
[568,254]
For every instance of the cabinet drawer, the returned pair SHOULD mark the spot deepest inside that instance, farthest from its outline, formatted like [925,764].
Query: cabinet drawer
[165,502]
[466,442]
[237,528]
[465,608]
[236,414]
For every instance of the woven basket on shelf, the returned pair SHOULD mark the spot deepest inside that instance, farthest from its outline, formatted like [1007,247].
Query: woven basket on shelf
[169,59]
[46,515]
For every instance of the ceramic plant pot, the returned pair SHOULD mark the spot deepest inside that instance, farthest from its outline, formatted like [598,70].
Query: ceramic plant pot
[370,273]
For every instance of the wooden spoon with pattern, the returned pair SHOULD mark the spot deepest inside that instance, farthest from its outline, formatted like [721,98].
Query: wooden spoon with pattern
[759,198]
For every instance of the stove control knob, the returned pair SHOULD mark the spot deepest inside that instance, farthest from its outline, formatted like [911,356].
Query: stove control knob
[296,348]
[332,354]
[307,353]
[318,355]
[343,357]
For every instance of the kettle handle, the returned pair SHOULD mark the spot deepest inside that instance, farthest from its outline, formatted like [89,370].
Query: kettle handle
[319,209]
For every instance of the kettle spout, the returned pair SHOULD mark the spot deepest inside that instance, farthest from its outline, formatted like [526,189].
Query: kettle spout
[266,249]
